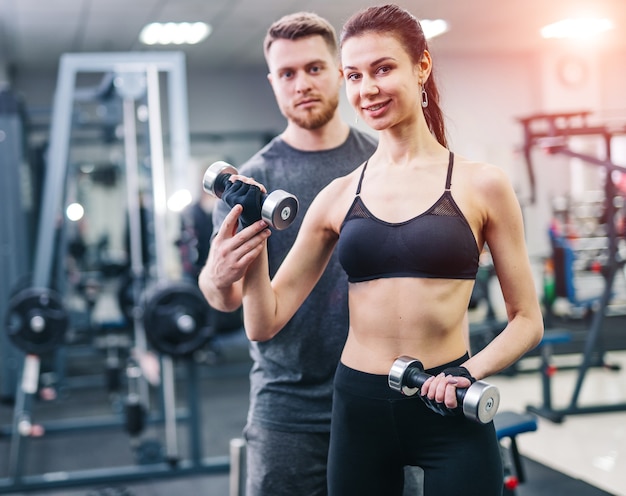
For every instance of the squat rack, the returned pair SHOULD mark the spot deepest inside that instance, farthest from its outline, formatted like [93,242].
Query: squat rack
[137,72]
[551,132]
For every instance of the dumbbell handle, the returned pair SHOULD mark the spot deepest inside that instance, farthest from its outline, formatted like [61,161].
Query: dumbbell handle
[479,401]
[415,378]
[222,183]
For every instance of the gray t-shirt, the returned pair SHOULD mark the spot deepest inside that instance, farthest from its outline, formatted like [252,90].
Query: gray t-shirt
[292,375]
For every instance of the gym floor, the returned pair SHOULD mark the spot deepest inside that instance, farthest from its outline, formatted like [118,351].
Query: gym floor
[590,447]
[586,446]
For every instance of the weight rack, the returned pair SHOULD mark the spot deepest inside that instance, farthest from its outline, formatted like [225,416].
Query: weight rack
[139,75]
[551,132]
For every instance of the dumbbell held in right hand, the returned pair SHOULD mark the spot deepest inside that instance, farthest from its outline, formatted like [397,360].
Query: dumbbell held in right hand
[278,208]
[479,402]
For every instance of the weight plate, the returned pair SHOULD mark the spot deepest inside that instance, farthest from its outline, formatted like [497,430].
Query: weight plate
[177,319]
[36,320]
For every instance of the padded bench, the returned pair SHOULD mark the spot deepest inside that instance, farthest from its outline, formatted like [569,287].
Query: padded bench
[509,425]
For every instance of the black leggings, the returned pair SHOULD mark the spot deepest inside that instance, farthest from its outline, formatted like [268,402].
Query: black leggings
[376,431]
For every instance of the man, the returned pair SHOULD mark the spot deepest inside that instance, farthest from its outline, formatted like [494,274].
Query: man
[288,426]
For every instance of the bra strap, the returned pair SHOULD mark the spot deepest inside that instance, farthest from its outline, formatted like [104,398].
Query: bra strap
[449,177]
[358,189]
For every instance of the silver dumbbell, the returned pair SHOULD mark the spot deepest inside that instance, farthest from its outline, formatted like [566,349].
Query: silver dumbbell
[278,208]
[480,401]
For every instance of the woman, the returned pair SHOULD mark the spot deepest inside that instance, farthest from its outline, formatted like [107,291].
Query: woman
[409,226]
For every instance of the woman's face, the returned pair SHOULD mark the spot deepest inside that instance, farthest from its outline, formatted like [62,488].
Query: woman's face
[382,82]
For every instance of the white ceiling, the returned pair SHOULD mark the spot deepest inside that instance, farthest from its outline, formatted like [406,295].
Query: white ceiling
[34,33]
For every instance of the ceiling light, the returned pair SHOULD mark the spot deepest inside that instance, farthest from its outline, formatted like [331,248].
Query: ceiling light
[433,27]
[74,212]
[174,33]
[576,28]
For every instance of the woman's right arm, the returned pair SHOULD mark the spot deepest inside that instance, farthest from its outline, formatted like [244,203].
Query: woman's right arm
[269,305]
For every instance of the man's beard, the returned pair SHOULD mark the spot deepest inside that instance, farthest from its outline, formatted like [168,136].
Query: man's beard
[316,119]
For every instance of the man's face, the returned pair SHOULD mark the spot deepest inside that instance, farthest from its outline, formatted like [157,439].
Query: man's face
[306,80]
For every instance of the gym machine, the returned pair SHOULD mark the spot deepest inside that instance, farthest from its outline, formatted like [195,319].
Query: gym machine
[169,316]
[551,132]
[15,219]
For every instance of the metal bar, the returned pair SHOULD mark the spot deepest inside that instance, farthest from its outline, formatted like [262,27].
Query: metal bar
[158,169]
[179,123]
[135,235]
[193,398]
[595,161]
[169,402]
[237,478]
[112,421]
[55,480]
[56,172]
[22,421]
[121,61]
[596,327]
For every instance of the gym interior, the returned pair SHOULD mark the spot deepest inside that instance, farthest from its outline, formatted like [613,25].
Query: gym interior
[116,378]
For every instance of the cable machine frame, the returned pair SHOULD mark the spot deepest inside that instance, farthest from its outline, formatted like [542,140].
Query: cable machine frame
[553,138]
[149,65]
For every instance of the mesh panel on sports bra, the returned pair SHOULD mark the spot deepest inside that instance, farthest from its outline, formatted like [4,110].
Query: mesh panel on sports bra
[357,211]
[446,207]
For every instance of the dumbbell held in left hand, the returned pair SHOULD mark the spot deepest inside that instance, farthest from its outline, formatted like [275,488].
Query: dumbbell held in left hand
[278,208]
[479,402]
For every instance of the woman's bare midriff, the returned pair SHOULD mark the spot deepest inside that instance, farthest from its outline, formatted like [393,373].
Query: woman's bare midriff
[421,318]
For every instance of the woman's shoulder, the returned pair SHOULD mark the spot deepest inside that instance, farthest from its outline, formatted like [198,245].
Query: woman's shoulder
[333,201]
[482,175]
[341,182]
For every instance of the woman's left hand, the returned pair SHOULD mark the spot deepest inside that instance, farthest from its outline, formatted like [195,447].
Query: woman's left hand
[439,392]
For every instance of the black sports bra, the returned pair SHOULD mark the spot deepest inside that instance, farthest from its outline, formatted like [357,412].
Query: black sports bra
[436,244]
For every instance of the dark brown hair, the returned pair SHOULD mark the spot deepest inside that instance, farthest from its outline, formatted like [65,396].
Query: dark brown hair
[301,25]
[396,21]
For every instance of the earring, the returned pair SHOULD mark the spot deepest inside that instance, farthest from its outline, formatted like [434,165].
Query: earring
[424,98]
[356,118]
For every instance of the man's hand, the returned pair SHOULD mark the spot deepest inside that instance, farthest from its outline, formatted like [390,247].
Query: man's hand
[230,256]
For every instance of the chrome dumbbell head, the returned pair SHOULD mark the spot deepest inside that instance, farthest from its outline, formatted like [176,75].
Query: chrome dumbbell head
[279,209]
[397,376]
[215,177]
[481,402]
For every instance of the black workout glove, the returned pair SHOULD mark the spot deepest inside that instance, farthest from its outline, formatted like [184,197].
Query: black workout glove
[441,408]
[459,372]
[249,196]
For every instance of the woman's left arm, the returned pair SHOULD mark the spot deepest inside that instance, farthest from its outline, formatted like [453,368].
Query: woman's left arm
[503,231]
